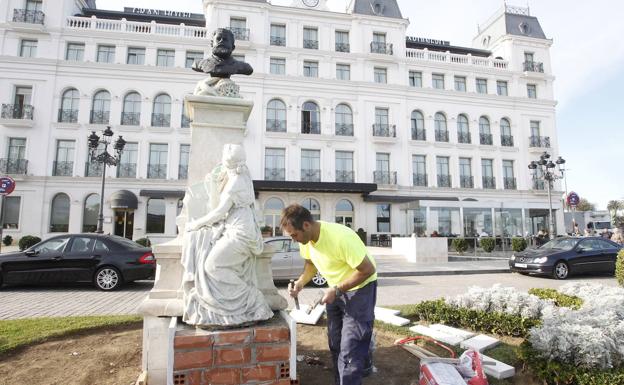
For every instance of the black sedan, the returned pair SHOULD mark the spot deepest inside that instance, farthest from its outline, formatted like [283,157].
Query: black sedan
[561,257]
[105,260]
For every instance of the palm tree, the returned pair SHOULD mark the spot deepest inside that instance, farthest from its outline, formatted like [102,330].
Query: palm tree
[613,207]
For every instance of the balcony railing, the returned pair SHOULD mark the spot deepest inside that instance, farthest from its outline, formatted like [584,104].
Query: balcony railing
[444,180]
[345,176]
[130,118]
[274,125]
[464,137]
[447,57]
[240,33]
[311,128]
[183,171]
[28,16]
[382,48]
[419,134]
[489,182]
[539,184]
[466,181]
[17,111]
[441,135]
[161,120]
[278,40]
[486,139]
[385,177]
[186,121]
[67,116]
[157,171]
[384,130]
[344,129]
[62,168]
[507,141]
[136,27]
[99,117]
[93,169]
[539,141]
[14,166]
[126,170]
[310,44]
[533,66]
[419,179]
[343,47]
[274,174]
[510,183]
[310,175]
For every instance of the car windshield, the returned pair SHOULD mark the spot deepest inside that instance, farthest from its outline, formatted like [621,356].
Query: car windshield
[560,244]
[126,242]
[602,225]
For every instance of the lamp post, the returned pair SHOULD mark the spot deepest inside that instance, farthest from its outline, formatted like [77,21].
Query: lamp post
[105,159]
[548,174]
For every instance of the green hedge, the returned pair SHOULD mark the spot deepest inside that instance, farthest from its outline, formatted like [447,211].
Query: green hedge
[619,268]
[562,300]
[460,245]
[27,241]
[7,240]
[145,242]
[488,244]
[518,244]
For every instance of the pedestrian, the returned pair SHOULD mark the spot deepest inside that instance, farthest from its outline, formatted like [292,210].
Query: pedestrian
[618,236]
[541,237]
[340,256]
[435,234]
[588,232]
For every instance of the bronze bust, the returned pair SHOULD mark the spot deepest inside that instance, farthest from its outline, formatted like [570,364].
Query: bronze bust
[221,64]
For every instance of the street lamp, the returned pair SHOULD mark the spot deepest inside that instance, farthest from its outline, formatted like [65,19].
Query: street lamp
[548,174]
[106,159]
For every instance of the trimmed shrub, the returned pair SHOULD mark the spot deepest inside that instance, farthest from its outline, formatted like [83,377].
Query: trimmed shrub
[145,242]
[460,245]
[518,244]
[561,300]
[7,241]
[619,268]
[27,241]
[488,244]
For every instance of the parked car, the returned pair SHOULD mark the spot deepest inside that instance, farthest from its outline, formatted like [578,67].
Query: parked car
[564,256]
[286,262]
[108,261]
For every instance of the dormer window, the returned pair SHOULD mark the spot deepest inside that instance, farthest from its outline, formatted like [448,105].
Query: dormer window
[524,28]
[378,7]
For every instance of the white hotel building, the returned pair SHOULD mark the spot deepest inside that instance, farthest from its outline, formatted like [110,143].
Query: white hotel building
[354,119]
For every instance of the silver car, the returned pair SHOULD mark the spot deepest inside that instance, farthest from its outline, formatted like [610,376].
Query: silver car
[286,262]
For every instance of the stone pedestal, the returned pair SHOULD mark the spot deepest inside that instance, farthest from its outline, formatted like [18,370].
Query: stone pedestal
[421,250]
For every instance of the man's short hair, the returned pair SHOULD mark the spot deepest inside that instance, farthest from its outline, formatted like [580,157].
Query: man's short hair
[294,215]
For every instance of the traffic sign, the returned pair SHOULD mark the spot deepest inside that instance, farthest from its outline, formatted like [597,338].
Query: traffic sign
[7,185]
[573,199]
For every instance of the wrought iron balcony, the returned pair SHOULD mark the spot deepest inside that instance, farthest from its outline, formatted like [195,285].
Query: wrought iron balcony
[345,176]
[311,128]
[419,134]
[344,129]
[385,177]
[441,135]
[157,171]
[126,170]
[466,181]
[444,180]
[93,169]
[464,137]
[310,175]
[539,184]
[14,166]
[28,16]
[539,141]
[67,116]
[489,182]
[183,171]
[510,183]
[17,111]
[533,66]
[507,141]
[382,48]
[278,40]
[161,120]
[274,125]
[310,44]
[240,33]
[99,117]
[384,130]
[419,179]
[130,118]
[274,174]
[343,47]
[186,121]
[486,139]
[62,168]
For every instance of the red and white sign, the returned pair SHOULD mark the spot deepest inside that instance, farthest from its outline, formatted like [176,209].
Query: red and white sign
[7,185]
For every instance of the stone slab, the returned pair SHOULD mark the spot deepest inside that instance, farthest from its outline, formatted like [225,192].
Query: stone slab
[385,310]
[464,334]
[480,343]
[436,335]
[391,319]
[499,370]
[301,317]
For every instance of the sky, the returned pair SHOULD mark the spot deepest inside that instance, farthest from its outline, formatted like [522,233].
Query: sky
[587,59]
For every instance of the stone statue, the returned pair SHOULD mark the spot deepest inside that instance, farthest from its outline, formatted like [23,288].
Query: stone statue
[221,65]
[220,247]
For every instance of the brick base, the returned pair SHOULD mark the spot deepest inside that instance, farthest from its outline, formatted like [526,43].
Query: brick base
[256,355]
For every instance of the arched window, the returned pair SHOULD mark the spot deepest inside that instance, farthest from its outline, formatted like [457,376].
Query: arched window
[310,118]
[418,126]
[484,130]
[344,120]
[313,206]
[161,114]
[90,212]
[276,116]
[272,213]
[69,106]
[59,214]
[100,108]
[155,221]
[463,131]
[505,129]
[131,114]
[441,132]
[344,213]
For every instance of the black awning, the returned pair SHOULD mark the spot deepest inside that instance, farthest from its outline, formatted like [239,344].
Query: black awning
[405,199]
[162,193]
[330,187]
[124,199]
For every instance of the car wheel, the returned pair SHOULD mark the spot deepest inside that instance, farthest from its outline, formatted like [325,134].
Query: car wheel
[561,270]
[107,278]
[318,280]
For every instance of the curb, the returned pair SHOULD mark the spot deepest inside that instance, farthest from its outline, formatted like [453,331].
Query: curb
[443,272]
